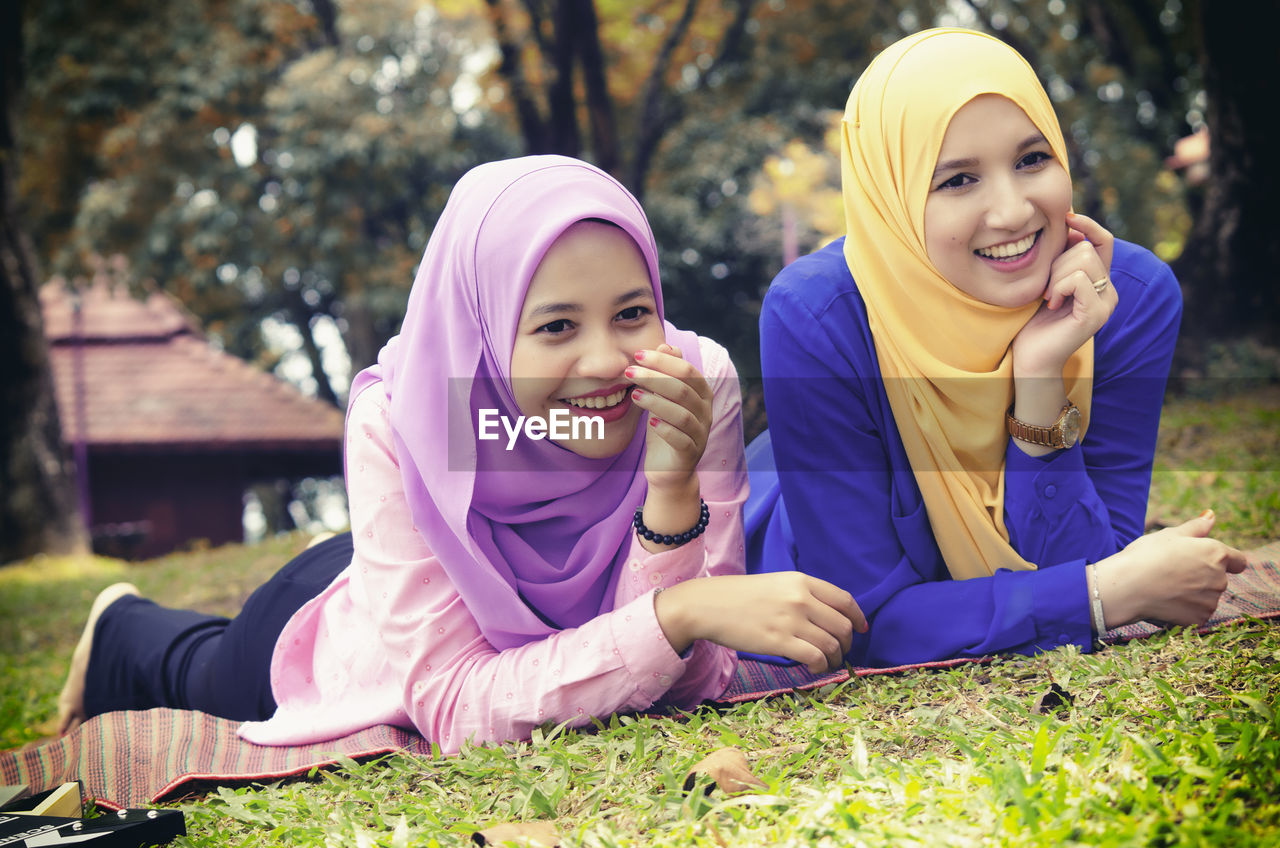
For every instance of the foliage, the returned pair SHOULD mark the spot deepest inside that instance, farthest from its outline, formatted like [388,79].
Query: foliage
[354,120]
[251,167]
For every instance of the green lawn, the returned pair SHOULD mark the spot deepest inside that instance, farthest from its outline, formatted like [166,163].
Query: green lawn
[1168,741]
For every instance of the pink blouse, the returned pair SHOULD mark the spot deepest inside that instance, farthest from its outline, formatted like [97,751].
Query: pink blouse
[390,641]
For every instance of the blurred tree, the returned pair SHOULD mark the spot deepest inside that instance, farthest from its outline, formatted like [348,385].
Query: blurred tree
[625,71]
[1231,259]
[38,507]
[260,159]
[1159,70]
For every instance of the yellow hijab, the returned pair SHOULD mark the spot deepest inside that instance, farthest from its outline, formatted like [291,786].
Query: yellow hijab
[944,356]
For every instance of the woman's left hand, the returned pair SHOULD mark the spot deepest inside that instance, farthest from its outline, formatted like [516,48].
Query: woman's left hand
[678,400]
[1073,309]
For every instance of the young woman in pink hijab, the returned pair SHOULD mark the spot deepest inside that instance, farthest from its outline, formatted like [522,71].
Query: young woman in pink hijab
[545,482]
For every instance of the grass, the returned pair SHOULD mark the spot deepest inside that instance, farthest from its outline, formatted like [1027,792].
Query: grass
[1172,740]
[1225,456]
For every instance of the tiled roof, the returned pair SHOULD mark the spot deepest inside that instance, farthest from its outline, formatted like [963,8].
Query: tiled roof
[149,381]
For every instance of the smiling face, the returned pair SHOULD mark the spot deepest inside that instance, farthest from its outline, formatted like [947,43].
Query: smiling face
[995,218]
[589,308]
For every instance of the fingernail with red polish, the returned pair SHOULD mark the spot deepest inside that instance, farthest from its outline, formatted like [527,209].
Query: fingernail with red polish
[1208,513]
[629,372]
[654,422]
[636,394]
[639,355]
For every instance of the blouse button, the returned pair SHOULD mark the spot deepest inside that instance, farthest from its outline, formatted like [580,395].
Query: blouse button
[664,681]
[655,578]
[1050,491]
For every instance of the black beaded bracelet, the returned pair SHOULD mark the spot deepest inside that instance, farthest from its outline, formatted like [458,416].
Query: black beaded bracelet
[672,539]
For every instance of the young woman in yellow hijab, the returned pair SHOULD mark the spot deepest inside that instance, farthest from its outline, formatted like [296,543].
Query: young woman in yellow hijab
[964,392]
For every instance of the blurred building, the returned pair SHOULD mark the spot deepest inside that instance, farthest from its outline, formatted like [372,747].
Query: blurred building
[168,431]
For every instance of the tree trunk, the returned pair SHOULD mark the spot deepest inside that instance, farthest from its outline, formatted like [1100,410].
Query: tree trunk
[562,106]
[604,129]
[300,315]
[532,126]
[38,509]
[1231,261]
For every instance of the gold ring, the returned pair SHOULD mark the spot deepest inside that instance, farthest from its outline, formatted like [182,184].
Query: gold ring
[1100,286]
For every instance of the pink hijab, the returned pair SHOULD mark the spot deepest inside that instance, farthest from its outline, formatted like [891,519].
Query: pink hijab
[533,538]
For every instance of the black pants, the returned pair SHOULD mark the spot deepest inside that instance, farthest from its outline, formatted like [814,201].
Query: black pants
[145,655]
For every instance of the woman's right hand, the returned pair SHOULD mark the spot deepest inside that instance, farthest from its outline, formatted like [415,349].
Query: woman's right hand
[786,614]
[1175,575]
[678,400]
[1073,310]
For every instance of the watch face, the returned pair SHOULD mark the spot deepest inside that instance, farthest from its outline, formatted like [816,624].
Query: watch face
[1070,427]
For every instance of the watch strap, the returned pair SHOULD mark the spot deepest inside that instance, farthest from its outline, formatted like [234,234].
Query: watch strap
[1049,437]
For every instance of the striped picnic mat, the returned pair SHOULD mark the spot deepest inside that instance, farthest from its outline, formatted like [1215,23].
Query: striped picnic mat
[127,759]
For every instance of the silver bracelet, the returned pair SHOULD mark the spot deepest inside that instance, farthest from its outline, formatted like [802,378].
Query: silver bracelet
[1099,620]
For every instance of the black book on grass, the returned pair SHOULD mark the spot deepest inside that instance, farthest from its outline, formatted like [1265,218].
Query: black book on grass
[123,829]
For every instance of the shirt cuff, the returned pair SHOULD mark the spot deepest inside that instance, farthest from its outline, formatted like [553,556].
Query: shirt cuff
[1061,603]
[647,570]
[1055,482]
[653,664]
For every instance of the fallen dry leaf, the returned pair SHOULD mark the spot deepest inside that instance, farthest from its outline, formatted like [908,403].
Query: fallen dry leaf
[531,834]
[727,768]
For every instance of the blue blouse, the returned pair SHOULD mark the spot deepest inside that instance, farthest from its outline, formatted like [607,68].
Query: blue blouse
[833,495]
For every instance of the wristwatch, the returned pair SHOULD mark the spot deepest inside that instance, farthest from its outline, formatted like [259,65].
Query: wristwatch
[1062,433]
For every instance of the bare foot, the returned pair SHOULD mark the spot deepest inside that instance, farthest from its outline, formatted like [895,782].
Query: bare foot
[71,701]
